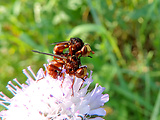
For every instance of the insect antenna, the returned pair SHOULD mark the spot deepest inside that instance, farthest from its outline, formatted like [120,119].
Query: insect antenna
[59,42]
[57,56]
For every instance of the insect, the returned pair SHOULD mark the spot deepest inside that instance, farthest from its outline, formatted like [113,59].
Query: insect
[71,65]
[76,47]
[70,62]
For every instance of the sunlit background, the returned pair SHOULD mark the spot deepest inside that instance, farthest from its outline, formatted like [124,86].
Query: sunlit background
[125,35]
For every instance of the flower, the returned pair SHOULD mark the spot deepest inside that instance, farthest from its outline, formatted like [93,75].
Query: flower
[46,98]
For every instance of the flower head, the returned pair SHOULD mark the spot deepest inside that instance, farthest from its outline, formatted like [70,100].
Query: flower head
[45,98]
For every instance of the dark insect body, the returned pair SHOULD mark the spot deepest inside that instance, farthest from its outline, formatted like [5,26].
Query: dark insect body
[70,62]
[76,47]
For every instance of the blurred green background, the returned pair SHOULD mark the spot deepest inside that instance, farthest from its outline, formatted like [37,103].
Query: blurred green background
[125,36]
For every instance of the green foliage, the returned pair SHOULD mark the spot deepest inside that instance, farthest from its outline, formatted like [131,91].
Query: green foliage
[125,36]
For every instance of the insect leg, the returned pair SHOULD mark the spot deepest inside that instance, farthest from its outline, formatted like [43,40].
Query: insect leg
[72,85]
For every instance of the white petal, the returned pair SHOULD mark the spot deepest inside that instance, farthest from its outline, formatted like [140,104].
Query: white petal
[47,98]
[105,98]
[40,74]
[99,112]
[97,118]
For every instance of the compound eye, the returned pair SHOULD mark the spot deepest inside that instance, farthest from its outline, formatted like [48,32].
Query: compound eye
[86,50]
[81,72]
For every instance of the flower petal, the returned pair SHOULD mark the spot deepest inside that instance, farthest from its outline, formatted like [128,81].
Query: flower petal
[98,111]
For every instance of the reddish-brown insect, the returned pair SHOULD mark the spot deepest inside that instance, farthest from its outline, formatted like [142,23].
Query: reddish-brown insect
[71,65]
[70,62]
[76,47]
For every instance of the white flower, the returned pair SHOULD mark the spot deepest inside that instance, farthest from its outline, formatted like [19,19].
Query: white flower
[46,98]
